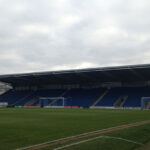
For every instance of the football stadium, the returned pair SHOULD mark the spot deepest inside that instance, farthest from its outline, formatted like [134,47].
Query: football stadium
[74,75]
[85,109]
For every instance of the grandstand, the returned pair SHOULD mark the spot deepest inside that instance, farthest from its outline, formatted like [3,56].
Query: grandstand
[107,87]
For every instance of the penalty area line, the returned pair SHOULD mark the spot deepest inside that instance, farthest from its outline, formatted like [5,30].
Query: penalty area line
[95,138]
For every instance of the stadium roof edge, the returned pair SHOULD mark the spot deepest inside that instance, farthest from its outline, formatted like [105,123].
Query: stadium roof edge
[78,70]
[128,73]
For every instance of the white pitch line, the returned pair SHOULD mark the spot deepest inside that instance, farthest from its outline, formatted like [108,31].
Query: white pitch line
[95,138]
[77,143]
[48,142]
[119,138]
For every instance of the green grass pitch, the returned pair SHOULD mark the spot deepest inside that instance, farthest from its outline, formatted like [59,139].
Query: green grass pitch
[20,127]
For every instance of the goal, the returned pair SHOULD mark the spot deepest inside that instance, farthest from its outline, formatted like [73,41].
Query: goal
[145,103]
[52,101]
[3,104]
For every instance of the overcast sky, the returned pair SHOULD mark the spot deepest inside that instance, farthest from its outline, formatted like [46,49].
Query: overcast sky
[44,35]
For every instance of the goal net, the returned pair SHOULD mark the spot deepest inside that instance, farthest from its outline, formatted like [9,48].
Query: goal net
[52,101]
[3,104]
[145,103]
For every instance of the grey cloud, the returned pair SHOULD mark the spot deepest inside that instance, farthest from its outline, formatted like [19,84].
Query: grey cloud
[38,35]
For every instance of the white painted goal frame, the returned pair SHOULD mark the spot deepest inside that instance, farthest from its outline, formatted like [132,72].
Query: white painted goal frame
[144,102]
[42,99]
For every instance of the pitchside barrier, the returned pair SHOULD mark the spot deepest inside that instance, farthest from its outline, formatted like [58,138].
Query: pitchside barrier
[62,107]
[103,107]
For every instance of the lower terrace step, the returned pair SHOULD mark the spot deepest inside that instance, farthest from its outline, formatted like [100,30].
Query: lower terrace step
[120,102]
[100,98]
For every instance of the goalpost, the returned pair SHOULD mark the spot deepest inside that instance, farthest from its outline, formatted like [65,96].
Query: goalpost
[3,104]
[145,103]
[52,101]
